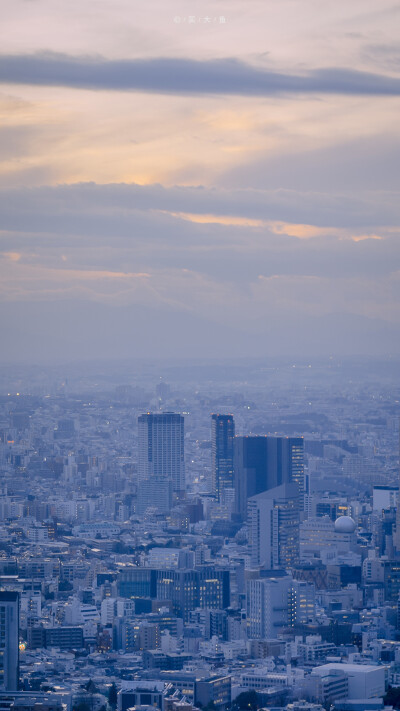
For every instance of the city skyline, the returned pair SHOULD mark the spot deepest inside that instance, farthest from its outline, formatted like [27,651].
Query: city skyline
[200,355]
[118,592]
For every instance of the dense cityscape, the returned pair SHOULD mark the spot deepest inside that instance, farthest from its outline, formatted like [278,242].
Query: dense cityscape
[199,355]
[205,536]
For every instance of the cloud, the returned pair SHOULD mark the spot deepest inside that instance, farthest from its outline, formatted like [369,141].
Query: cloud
[186,76]
[131,250]
[114,263]
[104,210]
[130,229]
[362,164]
[385,55]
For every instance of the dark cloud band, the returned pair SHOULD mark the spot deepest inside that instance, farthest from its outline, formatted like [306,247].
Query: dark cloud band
[184,76]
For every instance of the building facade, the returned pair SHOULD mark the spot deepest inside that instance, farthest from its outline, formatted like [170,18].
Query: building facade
[9,640]
[262,463]
[161,448]
[274,519]
[222,437]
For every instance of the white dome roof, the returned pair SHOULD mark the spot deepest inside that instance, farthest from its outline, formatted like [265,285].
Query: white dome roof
[345,524]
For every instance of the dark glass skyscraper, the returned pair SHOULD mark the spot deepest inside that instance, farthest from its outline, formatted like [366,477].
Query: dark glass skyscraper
[222,436]
[262,463]
[9,638]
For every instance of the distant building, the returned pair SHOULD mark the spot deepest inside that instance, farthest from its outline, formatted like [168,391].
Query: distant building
[154,492]
[161,448]
[262,463]
[276,602]
[65,429]
[141,693]
[163,390]
[9,641]
[64,637]
[222,437]
[274,519]
[204,587]
[214,690]
[137,583]
[364,681]
[323,538]
[384,497]
[171,558]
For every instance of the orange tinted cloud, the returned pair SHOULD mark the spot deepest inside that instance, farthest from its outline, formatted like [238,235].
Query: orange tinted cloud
[13,256]
[229,220]
[300,231]
[310,231]
[360,238]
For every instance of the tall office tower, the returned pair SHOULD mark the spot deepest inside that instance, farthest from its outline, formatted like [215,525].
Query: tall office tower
[396,537]
[262,463]
[293,458]
[274,520]
[222,436]
[161,448]
[9,639]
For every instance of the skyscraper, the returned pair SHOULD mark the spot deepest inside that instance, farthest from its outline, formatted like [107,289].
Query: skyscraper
[161,448]
[9,638]
[274,520]
[293,458]
[396,537]
[261,463]
[222,436]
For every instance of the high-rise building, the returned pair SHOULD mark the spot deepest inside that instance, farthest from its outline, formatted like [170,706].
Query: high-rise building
[137,582]
[276,602]
[9,640]
[161,448]
[261,463]
[155,492]
[205,587]
[396,537]
[222,436]
[274,519]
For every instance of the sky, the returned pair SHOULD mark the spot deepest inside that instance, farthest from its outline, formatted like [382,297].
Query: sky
[199,178]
